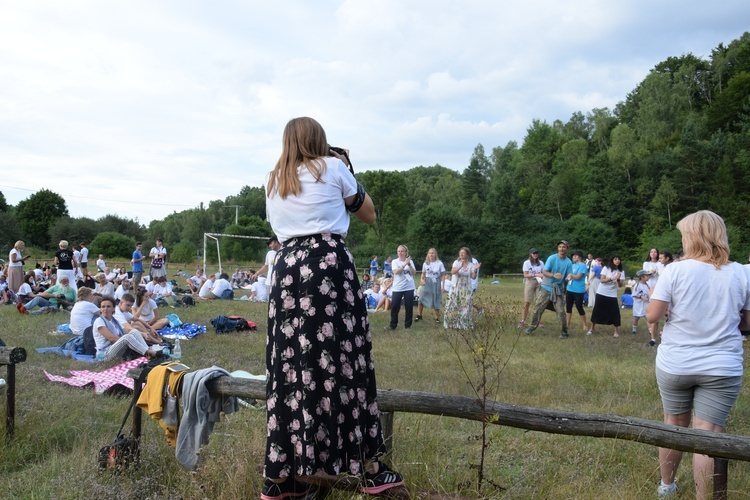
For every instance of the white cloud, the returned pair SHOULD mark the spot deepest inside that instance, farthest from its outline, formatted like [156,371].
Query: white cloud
[177,103]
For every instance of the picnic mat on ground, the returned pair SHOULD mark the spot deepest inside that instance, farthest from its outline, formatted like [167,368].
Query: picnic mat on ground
[105,381]
[67,352]
[184,331]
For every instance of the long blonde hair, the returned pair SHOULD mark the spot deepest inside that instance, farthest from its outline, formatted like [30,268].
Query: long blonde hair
[304,143]
[704,238]
[427,257]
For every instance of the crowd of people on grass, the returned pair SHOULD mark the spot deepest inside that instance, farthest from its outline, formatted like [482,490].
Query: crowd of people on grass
[322,413]
[701,298]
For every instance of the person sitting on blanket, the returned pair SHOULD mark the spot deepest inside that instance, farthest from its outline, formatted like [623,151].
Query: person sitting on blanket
[147,310]
[129,323]
[84,311]
[48,301]
[111,341]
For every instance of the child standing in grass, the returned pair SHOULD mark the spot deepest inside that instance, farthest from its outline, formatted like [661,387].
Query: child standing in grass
[640,298]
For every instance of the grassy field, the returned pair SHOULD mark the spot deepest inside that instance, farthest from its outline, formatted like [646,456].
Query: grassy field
[59,429]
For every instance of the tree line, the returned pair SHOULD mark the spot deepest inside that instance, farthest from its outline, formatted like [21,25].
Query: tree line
[609,181]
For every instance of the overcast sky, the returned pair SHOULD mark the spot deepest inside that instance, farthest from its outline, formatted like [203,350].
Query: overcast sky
[144,108]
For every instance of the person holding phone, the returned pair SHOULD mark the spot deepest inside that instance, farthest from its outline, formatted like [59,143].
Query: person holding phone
[403,287]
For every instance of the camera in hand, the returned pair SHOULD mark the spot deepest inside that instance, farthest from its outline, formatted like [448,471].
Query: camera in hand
[343,153]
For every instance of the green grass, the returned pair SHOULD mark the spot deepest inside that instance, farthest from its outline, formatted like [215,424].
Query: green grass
[59,429]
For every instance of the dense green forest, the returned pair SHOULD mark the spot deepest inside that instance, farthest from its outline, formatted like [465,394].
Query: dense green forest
[609,181]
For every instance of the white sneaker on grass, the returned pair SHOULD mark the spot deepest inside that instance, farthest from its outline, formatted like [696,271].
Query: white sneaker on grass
[666,490]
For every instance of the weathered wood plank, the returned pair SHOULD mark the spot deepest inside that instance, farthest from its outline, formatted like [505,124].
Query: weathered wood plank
[530,418]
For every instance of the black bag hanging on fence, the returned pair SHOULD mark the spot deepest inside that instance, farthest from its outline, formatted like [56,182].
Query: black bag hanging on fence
[124,449]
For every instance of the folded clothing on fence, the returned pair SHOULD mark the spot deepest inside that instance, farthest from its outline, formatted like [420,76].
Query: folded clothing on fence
[184,331]
[109,380]
[201,413]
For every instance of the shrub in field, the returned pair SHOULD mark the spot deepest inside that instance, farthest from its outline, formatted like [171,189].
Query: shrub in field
[483,352]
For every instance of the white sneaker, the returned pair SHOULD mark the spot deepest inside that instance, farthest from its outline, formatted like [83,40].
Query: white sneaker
[666,490]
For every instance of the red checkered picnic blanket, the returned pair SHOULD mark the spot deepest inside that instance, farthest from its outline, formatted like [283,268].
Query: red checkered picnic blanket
[102,381]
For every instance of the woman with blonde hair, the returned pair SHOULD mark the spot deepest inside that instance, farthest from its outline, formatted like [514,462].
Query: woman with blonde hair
[431,281]
[15,266]
[322,411]
[66,264]
[699,363]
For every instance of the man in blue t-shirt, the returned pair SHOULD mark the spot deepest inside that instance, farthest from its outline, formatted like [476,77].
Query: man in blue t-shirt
[137,263]
[557,269]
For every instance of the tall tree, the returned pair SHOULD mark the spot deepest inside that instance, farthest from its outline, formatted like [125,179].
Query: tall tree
[474,182]
[37,213]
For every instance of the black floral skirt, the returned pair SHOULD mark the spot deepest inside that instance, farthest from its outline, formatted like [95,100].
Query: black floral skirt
[321,409]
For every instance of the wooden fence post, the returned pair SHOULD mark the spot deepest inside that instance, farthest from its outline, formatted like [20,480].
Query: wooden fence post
[721,470]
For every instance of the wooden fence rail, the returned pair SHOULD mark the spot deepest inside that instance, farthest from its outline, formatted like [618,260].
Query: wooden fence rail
[717,445]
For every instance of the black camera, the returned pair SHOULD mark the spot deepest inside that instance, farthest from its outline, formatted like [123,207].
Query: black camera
[343,153]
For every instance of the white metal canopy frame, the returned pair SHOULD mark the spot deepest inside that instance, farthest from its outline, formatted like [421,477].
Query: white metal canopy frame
[215,237]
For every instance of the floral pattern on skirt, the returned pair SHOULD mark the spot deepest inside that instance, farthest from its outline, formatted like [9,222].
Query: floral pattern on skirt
[321,409]
[459,308]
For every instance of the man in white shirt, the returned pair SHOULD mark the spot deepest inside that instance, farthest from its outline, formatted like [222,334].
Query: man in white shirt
[128,322]
[122,290]
[222,289]
[274,246]
[100,264]
[84,262]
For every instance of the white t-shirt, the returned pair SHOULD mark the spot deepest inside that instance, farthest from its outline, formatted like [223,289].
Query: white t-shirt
[106,290]
[319,208]
[219,287]
[121,291]
[433,271]
[122,317]
[18,256]
[609,289]
[702,335]
[197,281]
[475,280]
[270,257]
[163,291]
[113,326]
[81,315]
[84,255]
[530,268]
[100,264]
[404,280]
[147,313]
[655,268]
[24,289]
[259,288]
[206,289]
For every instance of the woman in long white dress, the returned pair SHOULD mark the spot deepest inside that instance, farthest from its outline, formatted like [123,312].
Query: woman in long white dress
[459,309]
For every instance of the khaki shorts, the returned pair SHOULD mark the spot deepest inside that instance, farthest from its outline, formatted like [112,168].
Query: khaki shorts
[529,290]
